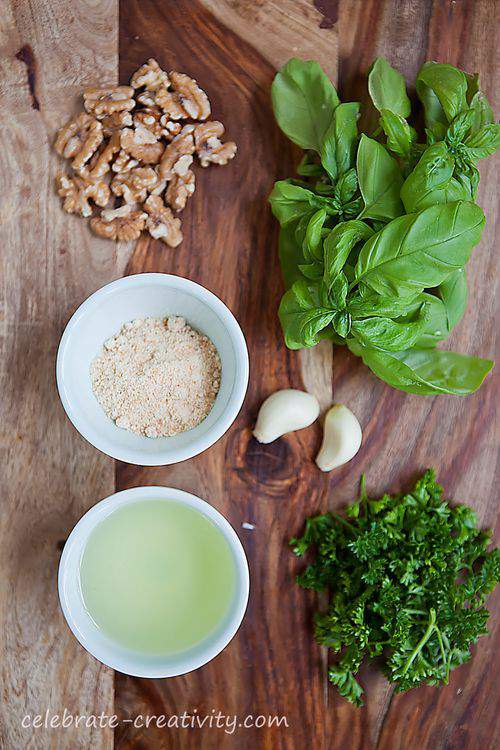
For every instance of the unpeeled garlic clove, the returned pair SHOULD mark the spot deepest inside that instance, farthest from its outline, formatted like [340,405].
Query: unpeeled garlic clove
[341,438]
[285,411]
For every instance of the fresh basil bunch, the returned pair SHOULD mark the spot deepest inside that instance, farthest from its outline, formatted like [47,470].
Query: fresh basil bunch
[375,234]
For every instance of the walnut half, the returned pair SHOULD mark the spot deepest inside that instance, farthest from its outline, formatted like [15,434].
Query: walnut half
[209,147]
[79,139]
[106,100]
[191,97]
[180,188]
[135,184]
[161,223]
[123,223]
[149,76]
[142,144]
[100,164]
[181,146]
[77,193]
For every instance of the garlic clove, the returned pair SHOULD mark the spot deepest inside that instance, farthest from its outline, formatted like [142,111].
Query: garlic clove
[341,438]
[285,411]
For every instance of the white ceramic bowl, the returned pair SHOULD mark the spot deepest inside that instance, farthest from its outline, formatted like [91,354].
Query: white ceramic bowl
[106,650]
[101,316]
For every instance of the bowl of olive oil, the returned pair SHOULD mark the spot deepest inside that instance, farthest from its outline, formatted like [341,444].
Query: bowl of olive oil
[153,582]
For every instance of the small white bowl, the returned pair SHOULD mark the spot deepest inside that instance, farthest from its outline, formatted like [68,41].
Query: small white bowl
[106,650]
[101,316]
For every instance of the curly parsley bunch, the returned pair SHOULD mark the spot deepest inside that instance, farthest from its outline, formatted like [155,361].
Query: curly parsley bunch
[407,576]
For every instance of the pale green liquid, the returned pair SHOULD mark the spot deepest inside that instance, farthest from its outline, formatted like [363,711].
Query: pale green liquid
[157,577]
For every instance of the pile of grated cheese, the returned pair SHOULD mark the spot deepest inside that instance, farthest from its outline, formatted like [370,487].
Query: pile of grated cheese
[157,377]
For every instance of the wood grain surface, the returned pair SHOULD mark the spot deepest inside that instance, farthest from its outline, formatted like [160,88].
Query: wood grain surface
[50,49]
[273,666]
[50,476]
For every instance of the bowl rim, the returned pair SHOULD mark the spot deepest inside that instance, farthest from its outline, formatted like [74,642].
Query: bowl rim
[220,427]
[69,577]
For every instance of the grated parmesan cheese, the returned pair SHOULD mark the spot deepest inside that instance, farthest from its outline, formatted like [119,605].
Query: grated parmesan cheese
[157,377]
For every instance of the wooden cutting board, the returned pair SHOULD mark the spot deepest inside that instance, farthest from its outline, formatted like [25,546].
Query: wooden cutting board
[50,50]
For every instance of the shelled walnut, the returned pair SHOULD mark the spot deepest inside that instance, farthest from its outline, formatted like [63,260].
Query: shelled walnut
[132,150]
[161,223]
[179,189]
[181,146]
[209,147]
[77,193]
[115,122]
[100,164]
[135,185]
[149,76]
[79,139]
[141,144]
[123,163]
[123,223]
[192,99]
[107,100]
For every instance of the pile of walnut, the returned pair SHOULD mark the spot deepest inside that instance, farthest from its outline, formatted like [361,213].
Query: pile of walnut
[131,153]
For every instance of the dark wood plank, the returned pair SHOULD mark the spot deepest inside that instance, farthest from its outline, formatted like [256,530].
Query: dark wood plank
[407,433]
[273,665]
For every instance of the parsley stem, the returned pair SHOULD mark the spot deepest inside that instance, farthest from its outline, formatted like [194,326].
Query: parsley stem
[346,523]
[441,646]
[418,648]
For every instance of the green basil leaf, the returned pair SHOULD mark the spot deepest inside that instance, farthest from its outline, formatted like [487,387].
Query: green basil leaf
[301,228]
[309,168]
[353,208]
[374,305]
[460,126]
[313,243]
[301,315]
[338,149]
[455,190]
[469,176]
[431,137]
[449,372]
[431,182]
[324,188]
[339,243]
[472,85]
[304,100]
[484,142]
[435,326]
[290,202]
[426,372]
[313,271]
[290,251]
[380,181]
[384,333]
[443,309]
[342,323]
[434,116]
[448,85]
[387,88]
[420,250]
[483,114]
[330,334]
[346,186]
[337,291]
[453,293]
[400,136]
